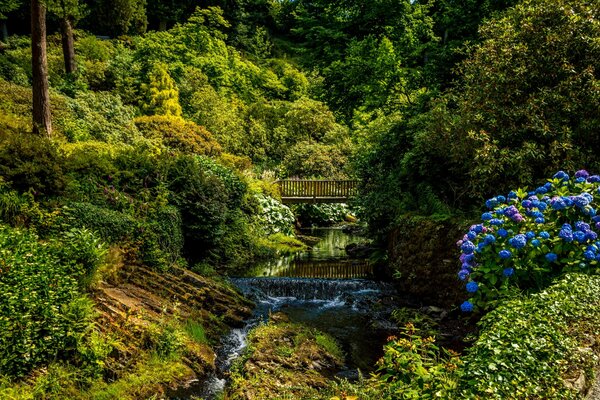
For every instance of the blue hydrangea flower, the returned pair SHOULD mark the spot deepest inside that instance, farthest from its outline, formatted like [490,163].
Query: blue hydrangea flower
[472,287]
[502,232]
[491,203]
[540,220]
[579,180]
[567,227]
[563,176]
[478,228]
[471,235]
[496,222]
[566,235]
[527,203]
[469,258]
[489,239]
[467,247]
[508,272]
[548,185]
[530,235]
[512,195]
[463,274]
[558,203]
[542,206]
[541,190]
[580,201]
[501,199]
[578,236]
[505,254]
[589,255]
[486,216]
[536,243]
[589,210]
[591,235]
[544,235]
[551,257]
[518,241]
[467,306]
[582,226]
[582,173]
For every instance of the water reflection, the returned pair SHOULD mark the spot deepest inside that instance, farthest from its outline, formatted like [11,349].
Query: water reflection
[327,259]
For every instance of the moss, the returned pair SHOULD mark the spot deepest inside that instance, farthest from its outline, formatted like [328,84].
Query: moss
[285,361]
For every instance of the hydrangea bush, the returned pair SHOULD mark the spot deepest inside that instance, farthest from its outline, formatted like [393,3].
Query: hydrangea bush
[527,238]
[274,216]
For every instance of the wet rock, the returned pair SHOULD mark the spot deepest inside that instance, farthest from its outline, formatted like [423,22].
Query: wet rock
[359,251]
[351,375]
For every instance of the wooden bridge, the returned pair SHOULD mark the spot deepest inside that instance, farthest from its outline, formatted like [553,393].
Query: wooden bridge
[316,191]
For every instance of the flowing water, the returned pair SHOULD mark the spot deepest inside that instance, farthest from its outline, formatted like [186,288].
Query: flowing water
[319,289]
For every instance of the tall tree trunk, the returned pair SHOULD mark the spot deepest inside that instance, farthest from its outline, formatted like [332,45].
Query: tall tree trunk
[4,30]
[67,45]
[42,122]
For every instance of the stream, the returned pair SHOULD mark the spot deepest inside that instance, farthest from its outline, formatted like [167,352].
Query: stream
[320,288]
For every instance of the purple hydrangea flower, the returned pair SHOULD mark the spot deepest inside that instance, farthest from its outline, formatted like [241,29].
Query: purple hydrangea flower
[582,173]
[594,179]
[527,203]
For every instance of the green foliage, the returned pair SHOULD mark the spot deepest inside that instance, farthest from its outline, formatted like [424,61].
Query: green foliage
[321,214]
[316,160]
[413,367]
[528,347]
[178,134]
[274,217]
[100,116]
[163,96]
[40,311]
[195,331]
[112,226]
[31,162]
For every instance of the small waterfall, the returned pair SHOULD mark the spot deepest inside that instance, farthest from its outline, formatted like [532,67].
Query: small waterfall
[305,289]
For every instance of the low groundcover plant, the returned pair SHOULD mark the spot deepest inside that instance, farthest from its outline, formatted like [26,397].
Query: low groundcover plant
[529,237]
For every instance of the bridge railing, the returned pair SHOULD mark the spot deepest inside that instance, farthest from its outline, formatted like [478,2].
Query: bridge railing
[311,188]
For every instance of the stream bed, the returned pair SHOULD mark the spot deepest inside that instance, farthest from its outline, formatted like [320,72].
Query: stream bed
[318,289]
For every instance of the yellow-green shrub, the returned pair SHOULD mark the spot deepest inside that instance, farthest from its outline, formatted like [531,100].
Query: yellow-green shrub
[178,134]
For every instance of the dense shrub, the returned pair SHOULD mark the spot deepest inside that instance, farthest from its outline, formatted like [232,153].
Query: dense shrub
[112,226]
[31,162]
[178,134]
[529,347]
[99,116]
[311,159]
[527,238]
[274,217]
[39,301]
[321,214]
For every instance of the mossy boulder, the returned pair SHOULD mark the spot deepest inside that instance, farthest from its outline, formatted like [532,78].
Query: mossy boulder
[423,258]
[285,360]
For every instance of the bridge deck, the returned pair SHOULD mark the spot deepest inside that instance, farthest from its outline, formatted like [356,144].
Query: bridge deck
[316,191]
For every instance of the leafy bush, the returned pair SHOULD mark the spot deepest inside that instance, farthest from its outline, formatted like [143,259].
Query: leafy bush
[38,289]
[31,162]
[112,226]
[529,347]
[178,134]
[99,116]
[274,216]
[527,238]
[311,159]
[321,214]
[413,367]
